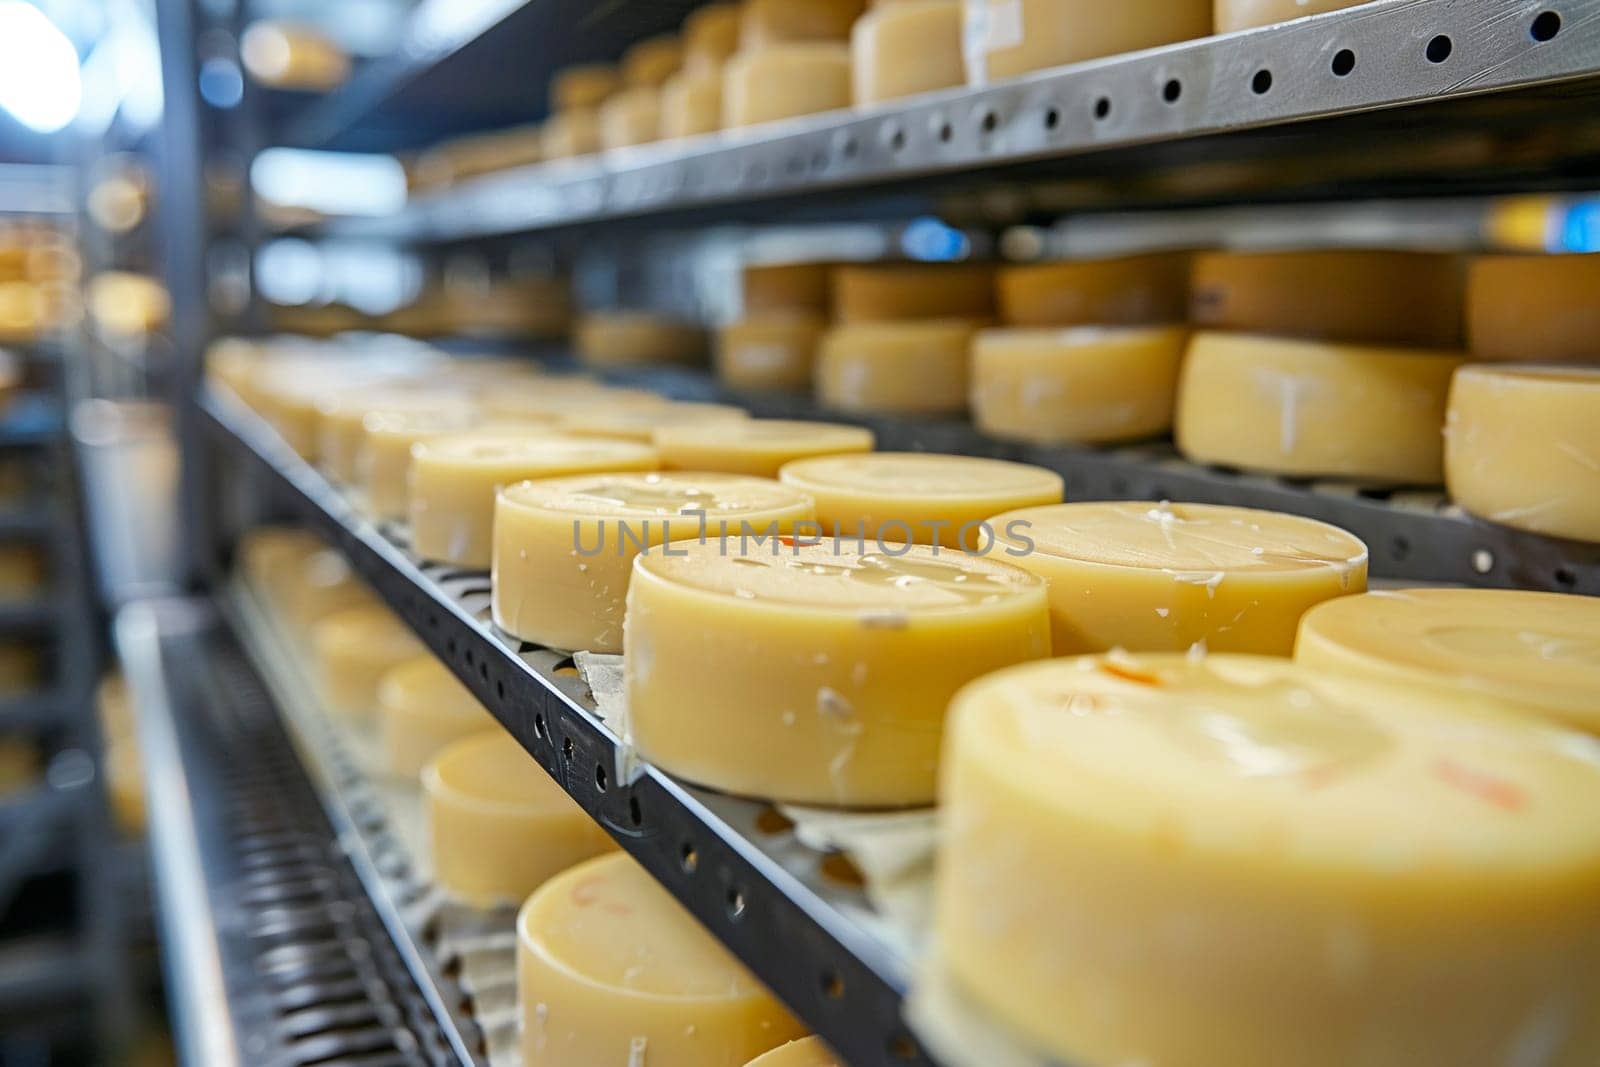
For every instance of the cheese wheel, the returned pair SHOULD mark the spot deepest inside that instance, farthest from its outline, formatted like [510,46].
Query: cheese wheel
[353,649]
[631,338]
[1309,408]
[564,547]
[1082,385]
[19,765]
[757,447]
[384,460]
[766,23]
[652,61]
[834,665]
[569,134]
[912,291]
[1150,290]
[22,572]
[266,554]
[316,586]
[640,423]
[1534,308]
[1152,577]
[582,87]
[788,288]
[904,49]
[1522,448]
[691,103]
[1005,38]
[1404,299]
[498,826]
[1237,861]
[631,117]
[454,481]
[21,668]
[785,81]
[544,403]
[612,970]
[710,36]
[918,368]
[769,351]
[1234,15]
[342,430]
[124,774]
[912,496]
[422,708]
[807,1052]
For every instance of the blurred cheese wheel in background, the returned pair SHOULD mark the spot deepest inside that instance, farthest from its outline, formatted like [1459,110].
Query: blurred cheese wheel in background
[422,708]
[710,36]
[906,48]
[21,668]
[1005,38]
[807,1052]
[1148,290]
[757,447]
[691,103]
[1158,577]
[1534,308]
[882,293]
[652,61]
[640,423]
[353,649]
[1086,384]
[610,967]
[384,460]
[1313,409]
[22,572]
[773,350]
[1381,298]
[630,338]
[342,430]
[543,403]
[498,826]
[785,81]
[317,586]
[581,87]
[1246,14]
[846,660]
[19,765]
[631,117]
[1522,447]
[787,288]
[920,368]
[569,134]
[918,497]
[765,23]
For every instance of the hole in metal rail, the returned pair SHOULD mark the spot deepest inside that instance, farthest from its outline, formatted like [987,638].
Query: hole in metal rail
[601,781]
[946,131]
[832,985]
[1172,92]
[1439,49]
[1052,118]
[1261,83]
[1102,108]
[1344,61]
[1545,26]
[635,811]
[1566,578]
[736,903]
[989,122]
[1400,548]
[901,1047]
[688,858]
[1483,561]
[567,748]
[897,138]
[538,727]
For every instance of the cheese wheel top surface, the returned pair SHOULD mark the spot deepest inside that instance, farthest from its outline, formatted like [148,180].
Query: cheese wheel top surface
[767,433]
[528,450]
[807,1052]
[492,770]
[651,495]
[641,422]
[920,475]
[426,686]
[372,630]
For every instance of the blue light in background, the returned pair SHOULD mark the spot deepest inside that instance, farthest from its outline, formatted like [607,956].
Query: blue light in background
[221,82]
[1580,230]
[931,241]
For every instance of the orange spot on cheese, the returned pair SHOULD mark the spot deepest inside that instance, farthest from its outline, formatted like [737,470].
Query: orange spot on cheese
[1129,674]
[1506,796]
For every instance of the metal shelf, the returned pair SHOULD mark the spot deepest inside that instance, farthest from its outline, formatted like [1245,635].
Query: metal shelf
[1422,69]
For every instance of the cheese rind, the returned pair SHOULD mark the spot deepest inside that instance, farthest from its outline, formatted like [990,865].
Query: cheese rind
[785,81]
[691,103]
[630,338]
[1310,408]
[1156,577]
[569,134]
[641,422]
[807,1052]
[905,367]
[906,48]
[1362,872]
[610,969]
[1085,385]
[342,429]
[767,23]
[916,291]
[1149,290]
[1005,38]
[498,826]
[835,665]
[787,288]
[423,708]
[1247,14]
[1534,308]
[755,447]
[353,649]
[631,117]
[769,351]
[582,87]
[710,36]
[564,547]
[383,464]
[650,62]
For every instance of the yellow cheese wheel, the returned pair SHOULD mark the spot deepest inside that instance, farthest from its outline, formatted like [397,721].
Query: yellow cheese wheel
[640,423]
[543,403]
[1310,408]
[912,291]
[1522,447]
[266,554]
[691,102]
[1404,299]
[630,338]
[581,87]
[316,586]
[1536,652]
[21,668]
[19,765]
[652,61]
[342,430]
[422,708]
[916,497]
[384,460]
[773,350]
[807,1052]
[631,117]
[766,23]
[564,547]
[1247,14]
[124,774]
[757,447]
[1237,861]
[1157,577]
[454,481]
[569,134]
[710,36]
[784,81]
[1534,308]
[834,664]
[353,649]
[1005,38]
[1150,290]
[1086,384]
[906,48]
[22,572]
[918,368]
[498,826]
[612,970]
[788,288]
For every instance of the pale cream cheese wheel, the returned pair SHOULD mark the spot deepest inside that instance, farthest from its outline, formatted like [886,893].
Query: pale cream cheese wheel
[342,429]
[784,82]
[906,48]
[772,350]
[1005,38]
[691,103]
[1247,14]
[631,117]
[756,447]
[911,368]
[640,423]
[570,134]
[651,61]
[422,708]
[352,650]
[383,462]
[766,23]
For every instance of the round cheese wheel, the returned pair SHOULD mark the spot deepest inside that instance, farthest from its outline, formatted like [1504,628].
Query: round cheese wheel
[1314,409]
[543,402]
[631,117]
[267,555]
[1237,861]
[1522,448]
[691,102]
[1534,308]
[630,338]
[652,61]
[640,423]
[785,81]
[769,351]
[915,497]
[1082,385]
[767,23]
[808,1051]
[1152,577]
[582,87]
[564,547]
[788,288]
[1402,299]
[1247,14]
[912,291]
[710,36]
[757,447]
[316,586]
[342,430]
[834,664]
[612,970]
[906,48]
[383,463]
[1005,38]
[353,649]
[422,708]
[454,481]
[22,572]
[1537,652]
[498,826]
[570,134]
[920,368]
[1151,290]
[21,668]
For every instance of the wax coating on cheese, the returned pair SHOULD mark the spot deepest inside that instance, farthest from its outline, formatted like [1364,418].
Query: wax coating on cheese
[758,447]
[906,48]
[1005,38]
[765,23]
[422,708]
[1247,14]
[807,1052]
[1148,290]
[641,422]
[773,350]
[915,291]
[353,649]
[913,368]
[784,82]
[1534,309]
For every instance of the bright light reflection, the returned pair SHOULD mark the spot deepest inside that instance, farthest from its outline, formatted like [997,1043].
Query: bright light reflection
[39,81]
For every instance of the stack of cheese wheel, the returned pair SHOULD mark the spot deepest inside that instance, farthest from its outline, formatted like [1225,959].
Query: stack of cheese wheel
[1090,351]
[298,577]
[793,60]
[1239,861]
[1005,38]
[691,99]
[342,428]
[352,650]
[468,157]
[904,48]
[1322,364]
[612,970]
[902,337]
[773,345]
[626,338]
[1247,14]
[576,94]
[422,708]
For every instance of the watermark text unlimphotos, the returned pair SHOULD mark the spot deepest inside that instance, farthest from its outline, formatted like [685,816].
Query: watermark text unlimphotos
[892,537]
